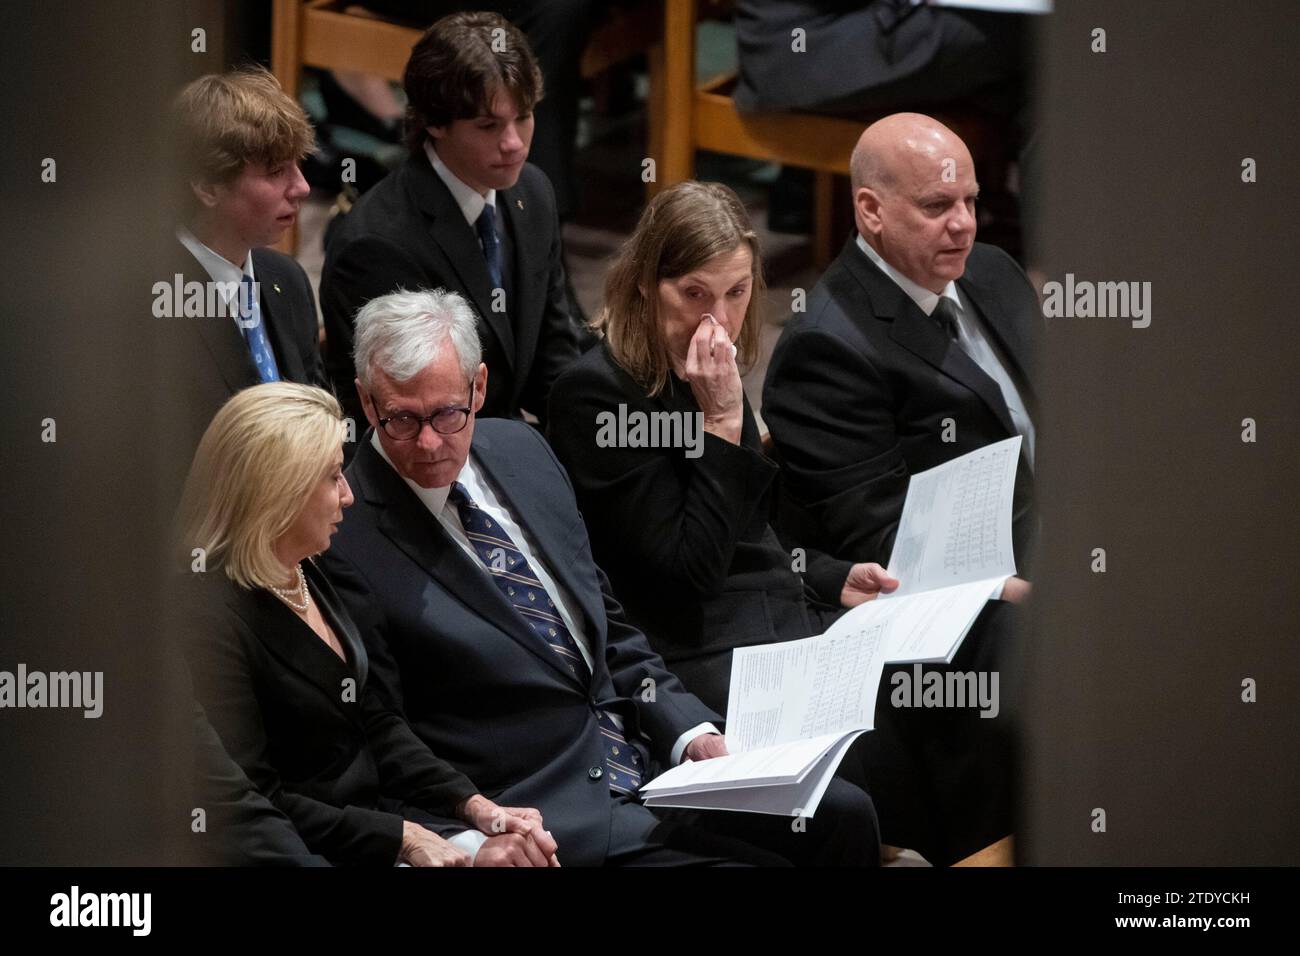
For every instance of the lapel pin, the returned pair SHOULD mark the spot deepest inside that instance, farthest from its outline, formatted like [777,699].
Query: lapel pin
[519,203]
[275,286]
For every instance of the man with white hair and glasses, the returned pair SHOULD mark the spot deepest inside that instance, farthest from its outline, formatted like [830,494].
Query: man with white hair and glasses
[468,571]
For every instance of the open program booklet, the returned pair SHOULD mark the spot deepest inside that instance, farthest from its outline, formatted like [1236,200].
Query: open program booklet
[795,707]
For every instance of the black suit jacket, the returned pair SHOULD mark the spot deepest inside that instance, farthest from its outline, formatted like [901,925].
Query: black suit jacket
[858,388]
[408,232]
[307,728]
[208,359]
[473,679]
[902,55]
[243,827]
[687,542]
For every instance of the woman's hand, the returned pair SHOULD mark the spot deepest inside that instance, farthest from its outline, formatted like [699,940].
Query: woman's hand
[715,380]
[516,835]
[421,847]
[865,583]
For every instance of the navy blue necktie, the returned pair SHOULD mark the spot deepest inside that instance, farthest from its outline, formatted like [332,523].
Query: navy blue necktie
[250,321]
[486,227]
[525,592]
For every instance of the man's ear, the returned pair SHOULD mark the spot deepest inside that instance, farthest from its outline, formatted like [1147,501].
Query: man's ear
[480,387]
[437,132]
[866,211]
[205,193]
[367,406]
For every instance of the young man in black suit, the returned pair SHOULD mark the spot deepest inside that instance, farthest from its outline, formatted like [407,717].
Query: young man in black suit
[917,346]
[238,139]
[468,570]
[464,212]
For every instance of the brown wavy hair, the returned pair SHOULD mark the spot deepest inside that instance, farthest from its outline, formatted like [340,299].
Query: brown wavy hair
[457,66]
[681,229]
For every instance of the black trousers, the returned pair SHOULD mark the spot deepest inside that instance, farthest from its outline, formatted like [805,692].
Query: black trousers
[943,778]
[842,832]
[643,837]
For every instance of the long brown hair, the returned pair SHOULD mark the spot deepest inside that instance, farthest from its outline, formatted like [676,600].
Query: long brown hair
[681,229]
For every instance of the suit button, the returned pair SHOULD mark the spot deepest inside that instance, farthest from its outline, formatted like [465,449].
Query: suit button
[595,773]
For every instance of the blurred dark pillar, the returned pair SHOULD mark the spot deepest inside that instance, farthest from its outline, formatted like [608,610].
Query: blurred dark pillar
[80,572]
[1135,675]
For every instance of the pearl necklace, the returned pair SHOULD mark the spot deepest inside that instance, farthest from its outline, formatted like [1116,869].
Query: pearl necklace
[287,595]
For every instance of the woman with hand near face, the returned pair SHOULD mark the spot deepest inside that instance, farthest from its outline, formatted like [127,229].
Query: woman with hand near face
[684,532]
[281,671]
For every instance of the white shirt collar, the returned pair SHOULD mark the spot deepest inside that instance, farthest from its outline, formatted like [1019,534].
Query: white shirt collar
[435,499]
[467,197]
[925,299]
[218,268]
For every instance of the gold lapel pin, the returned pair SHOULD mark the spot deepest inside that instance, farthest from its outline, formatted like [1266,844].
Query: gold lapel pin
[519,203]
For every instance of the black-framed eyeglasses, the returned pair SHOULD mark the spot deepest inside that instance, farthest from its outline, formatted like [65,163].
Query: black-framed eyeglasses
[445,421]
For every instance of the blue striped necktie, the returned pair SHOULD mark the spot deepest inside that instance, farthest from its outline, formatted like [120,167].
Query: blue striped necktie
[523,589]
[259,346]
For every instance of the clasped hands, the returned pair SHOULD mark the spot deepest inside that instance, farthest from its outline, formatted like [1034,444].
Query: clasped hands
[515,837]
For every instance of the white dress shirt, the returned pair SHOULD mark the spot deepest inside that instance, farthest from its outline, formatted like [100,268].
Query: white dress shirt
[971,339]
[220,270]
[483,495]
[470,201]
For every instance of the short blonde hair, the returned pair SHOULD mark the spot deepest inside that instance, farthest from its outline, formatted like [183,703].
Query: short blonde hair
[259,459]
[681,229]
[224,121]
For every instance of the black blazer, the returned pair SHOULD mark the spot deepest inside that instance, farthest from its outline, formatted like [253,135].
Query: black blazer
[243,828]
[307,728]
[903,55]
[407,232]
[858,388]
[687,542]
[473,679]
[207,359]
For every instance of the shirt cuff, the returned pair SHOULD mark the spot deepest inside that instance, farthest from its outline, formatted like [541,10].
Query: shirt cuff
[997,591]
[679,748]
[469,841]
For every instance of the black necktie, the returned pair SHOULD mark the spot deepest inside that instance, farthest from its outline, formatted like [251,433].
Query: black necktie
[945,313]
